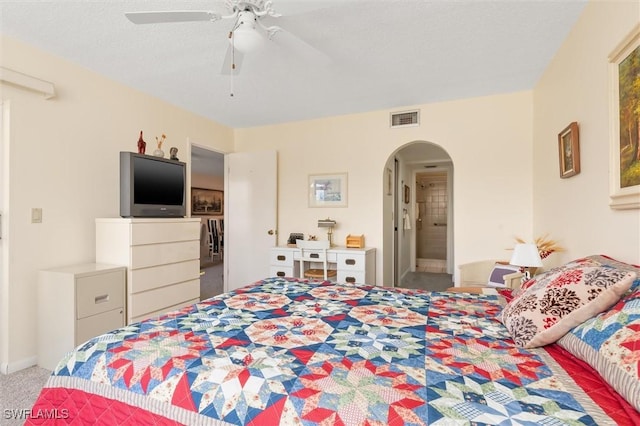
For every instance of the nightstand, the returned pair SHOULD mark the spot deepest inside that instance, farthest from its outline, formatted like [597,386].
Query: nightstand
[76,303]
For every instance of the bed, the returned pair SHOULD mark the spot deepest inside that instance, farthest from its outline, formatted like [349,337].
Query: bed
[298,352]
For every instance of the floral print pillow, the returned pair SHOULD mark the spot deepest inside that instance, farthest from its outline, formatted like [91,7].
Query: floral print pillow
[558,300]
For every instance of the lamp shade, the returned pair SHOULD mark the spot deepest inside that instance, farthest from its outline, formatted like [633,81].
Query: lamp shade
[526,255]
[245,37]
[326,223]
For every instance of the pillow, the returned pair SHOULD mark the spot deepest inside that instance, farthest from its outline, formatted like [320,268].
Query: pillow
[556,301]
[496,279]
[610,342]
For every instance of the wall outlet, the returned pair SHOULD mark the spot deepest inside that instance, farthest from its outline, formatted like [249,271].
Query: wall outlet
[36,215]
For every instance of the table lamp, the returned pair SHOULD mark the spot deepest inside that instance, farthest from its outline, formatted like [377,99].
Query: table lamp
[525,255]
[328,223]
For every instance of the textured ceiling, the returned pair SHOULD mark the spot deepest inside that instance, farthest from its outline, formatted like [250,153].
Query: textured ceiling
[375,54]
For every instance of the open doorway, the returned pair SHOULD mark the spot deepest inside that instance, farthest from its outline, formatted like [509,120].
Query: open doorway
[418,235]
[207,203]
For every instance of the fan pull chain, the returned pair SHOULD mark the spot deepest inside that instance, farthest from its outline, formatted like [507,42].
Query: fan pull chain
[233,63]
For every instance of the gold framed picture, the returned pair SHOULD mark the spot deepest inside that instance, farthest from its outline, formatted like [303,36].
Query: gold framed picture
[569,150]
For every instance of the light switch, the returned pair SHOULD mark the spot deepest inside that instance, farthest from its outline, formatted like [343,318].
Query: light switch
[36,215]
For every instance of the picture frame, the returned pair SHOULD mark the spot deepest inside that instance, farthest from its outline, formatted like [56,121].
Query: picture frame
[207,202]
[328,190]
[407,194]
[569,150]
[624,158]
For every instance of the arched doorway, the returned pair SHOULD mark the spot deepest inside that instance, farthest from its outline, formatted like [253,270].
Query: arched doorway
[417,211]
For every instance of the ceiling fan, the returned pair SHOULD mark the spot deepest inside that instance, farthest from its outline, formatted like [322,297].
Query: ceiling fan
[247,34]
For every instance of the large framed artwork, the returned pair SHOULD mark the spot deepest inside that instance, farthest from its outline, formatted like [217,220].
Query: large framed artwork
[328,190]
[206,201]
[624,63]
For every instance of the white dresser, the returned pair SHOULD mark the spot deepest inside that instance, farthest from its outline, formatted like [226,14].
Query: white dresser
[353,265]
[162,257]
[76,303]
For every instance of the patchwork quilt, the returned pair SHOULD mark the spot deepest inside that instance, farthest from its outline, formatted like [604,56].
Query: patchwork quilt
[295,352]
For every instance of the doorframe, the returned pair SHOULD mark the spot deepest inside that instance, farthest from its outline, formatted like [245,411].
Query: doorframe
[391,257]
[4,237]
[447,167]
[190,145]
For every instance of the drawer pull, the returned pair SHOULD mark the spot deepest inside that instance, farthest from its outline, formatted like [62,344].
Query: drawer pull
[282,257]
[314,255]
[280,274]
[350,261]
[101,299]
[350,279]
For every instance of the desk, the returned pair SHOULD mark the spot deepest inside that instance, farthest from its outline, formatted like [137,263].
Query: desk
[353,265]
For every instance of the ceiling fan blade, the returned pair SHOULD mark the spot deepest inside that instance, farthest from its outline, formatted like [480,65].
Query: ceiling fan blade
[300,49]
[171,16]
[230,58]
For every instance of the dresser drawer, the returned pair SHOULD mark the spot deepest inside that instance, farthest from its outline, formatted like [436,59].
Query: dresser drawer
[351,261]
[159,276]
[281,257]
[156,300]
[351,277]
[162,232]
[95,325]
[331,257]
[99,293]
[161,254]
[281,271]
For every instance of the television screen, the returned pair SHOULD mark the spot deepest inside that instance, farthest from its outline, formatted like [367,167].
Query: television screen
[158,182]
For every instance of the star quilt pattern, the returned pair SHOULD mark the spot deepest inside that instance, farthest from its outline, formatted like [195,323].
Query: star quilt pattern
[292,351]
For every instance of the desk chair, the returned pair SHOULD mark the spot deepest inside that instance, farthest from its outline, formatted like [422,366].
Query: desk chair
[314,251]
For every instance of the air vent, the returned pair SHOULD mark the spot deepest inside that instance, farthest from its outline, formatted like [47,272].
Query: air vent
[405,119]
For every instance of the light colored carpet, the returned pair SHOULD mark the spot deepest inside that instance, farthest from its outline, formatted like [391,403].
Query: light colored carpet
[430,281]
[18,392]
[211,283]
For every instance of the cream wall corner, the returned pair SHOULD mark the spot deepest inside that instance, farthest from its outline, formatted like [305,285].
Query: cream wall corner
[64,159]
[575,87]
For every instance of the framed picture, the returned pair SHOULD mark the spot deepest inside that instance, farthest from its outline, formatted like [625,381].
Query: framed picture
[624,181]
[569,150]
[407,194]
[207,201]
[328,190]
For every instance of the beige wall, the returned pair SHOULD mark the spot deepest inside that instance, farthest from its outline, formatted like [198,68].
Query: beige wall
[575,87]
[489,140]
[64,159]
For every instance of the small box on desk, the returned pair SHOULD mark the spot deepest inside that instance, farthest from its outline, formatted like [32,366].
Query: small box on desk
[355,241]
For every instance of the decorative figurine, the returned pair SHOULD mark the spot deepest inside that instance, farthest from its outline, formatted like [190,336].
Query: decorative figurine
[173,153]
[159,152]
[142,145]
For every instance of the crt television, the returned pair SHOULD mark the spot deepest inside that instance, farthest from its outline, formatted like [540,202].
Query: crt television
[152,186]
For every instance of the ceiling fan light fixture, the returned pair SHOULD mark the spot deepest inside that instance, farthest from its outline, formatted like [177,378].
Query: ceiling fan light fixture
[245,37]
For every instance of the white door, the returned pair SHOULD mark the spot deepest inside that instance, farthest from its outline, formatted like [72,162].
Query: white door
[250,216]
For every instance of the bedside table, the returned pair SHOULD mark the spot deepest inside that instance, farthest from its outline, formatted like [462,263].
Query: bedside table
[76,303]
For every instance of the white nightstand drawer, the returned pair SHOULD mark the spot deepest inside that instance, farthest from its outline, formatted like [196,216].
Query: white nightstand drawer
[281,257]
[98,324]
[351,277]
[99,293]
[351,261]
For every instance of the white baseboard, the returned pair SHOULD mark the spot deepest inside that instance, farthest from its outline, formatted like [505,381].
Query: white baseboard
[12,367]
